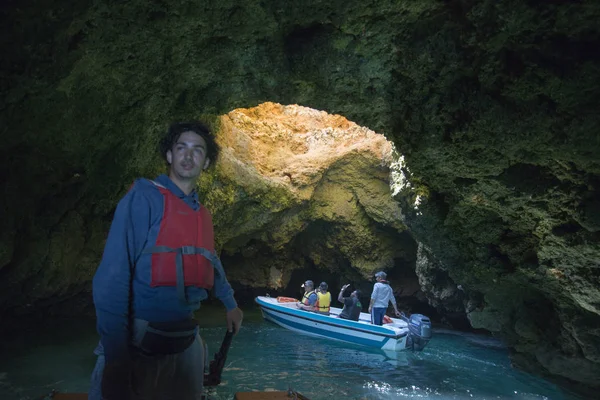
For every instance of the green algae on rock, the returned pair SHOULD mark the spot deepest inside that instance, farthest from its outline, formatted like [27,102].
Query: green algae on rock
[493,106]
[284,171]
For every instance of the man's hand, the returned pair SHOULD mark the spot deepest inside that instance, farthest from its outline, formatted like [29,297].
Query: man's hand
[370,308]
[345,286]
[397,313]
[234,320]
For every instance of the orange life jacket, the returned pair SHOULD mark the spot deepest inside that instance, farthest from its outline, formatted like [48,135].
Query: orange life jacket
[282,299]
[184,252]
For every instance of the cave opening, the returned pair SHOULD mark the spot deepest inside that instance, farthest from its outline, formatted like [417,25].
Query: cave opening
[297,194]
[309,198]
[88,88]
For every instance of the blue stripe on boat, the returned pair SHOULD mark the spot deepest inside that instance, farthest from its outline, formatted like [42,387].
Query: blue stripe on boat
[327,333]
[338,322]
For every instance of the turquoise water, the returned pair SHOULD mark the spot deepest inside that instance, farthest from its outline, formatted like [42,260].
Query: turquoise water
[264,356]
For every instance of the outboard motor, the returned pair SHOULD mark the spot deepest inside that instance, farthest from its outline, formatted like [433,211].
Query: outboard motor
[419,331]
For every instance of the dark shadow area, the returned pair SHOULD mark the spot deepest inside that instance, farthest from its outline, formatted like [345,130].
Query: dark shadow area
[527,178]
[28,318]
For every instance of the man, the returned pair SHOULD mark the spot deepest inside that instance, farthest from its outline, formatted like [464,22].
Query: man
[380,298]
[352,305]
[309,299]
[159,263]
[323,305]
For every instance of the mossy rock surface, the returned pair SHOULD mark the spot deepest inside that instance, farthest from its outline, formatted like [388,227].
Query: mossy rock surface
[494,106]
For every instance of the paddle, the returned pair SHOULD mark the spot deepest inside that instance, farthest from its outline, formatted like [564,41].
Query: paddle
[213,378]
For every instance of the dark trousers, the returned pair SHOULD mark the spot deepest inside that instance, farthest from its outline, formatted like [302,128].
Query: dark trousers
[158,377]
[377,314]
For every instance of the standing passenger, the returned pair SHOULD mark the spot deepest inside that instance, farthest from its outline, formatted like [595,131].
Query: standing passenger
[380,298]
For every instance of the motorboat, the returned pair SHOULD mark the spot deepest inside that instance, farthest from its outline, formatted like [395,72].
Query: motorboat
[395,335]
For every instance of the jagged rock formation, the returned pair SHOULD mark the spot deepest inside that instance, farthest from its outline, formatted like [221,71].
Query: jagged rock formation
[492,104]
[297,187]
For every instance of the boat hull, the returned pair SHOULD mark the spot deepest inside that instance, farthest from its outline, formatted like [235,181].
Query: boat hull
[390,337]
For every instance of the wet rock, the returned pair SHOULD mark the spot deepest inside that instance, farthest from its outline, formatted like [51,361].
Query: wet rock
[492,105]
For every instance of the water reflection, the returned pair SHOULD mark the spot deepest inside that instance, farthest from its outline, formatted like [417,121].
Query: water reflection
[452,367]
[265,356]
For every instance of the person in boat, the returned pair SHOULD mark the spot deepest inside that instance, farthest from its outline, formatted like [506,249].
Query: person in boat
[352,305]
[309,299]
[380,298]
[158,265]
[323,305]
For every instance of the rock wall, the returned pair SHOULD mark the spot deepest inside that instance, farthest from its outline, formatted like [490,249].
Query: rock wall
[493,105]
[297,187]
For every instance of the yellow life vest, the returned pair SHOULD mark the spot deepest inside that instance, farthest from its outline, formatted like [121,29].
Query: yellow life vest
[306,296]
[323,302]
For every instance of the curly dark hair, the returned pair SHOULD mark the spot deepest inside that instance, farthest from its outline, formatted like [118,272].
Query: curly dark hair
[199,128]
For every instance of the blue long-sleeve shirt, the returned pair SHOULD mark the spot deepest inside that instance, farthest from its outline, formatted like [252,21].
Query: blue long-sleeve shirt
[123,277]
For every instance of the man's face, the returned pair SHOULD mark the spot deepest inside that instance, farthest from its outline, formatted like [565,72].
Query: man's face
[188,156]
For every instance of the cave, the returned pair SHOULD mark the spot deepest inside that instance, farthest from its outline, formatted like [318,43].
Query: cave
[491,108]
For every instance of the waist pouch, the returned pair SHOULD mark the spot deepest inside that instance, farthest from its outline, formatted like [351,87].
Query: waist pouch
[169,337]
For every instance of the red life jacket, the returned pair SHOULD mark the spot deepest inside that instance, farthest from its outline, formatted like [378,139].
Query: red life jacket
[184,248]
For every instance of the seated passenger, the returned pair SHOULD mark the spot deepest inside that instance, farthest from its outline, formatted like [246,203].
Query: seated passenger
[323,299]
[309,300]
[352,305]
